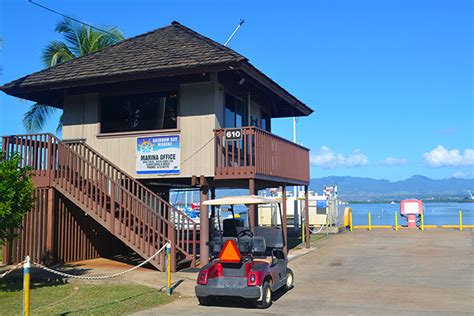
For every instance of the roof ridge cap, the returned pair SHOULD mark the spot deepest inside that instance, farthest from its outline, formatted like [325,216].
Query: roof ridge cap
[208,40]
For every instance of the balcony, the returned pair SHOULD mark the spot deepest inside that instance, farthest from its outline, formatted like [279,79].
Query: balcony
[261,155]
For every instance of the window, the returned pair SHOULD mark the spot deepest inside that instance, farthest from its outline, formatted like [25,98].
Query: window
[235,114]
[138,112]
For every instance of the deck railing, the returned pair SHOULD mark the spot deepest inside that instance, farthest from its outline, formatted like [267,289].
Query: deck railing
[260,154]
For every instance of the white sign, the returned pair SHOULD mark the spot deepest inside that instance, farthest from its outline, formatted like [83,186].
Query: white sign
[158,155]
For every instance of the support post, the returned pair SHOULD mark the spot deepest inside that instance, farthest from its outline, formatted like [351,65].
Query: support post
[370,221]
[460,220]
[351,227]
[172,239]
[306,217]
[396,221]
[283,220]
[204,227]
[26,286]
[168,267]
[252,208]
[50,223]
[422,221]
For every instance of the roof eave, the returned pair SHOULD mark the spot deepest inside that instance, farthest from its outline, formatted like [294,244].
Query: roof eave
[256,74]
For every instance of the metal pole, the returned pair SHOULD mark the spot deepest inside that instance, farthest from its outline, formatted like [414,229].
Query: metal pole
[350,221]
[422,221]
[306,217]
[396,221]
[235,31]
[460,220]
[370,221]
[26,286]
[168,267]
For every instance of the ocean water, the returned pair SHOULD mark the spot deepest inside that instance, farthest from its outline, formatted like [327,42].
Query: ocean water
[435,213]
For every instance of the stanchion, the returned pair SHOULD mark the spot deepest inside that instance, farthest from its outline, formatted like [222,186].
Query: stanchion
[26,286]
[396,221]
[460,221]
[168,267]
[302,233]
[350,222]
[422,221]
[370,221]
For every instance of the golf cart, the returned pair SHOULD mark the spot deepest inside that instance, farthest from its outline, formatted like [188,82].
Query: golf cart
[247,263]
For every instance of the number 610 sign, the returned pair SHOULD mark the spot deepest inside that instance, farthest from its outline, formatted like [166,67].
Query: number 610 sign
[232,134]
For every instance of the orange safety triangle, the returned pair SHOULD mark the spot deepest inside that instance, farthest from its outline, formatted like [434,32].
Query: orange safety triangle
[230,252]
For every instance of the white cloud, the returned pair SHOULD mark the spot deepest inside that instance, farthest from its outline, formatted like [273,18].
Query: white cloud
[392,161]
[463,175]
[327,158]
[442,157]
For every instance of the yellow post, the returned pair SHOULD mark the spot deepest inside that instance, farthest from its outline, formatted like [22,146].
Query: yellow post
[302,232]
[26,287]
[422,221]
[168,266]
[370,221]
[350,222]
[460,220]
[396,221]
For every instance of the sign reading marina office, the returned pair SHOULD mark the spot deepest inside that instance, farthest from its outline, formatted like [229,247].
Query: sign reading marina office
[158,155]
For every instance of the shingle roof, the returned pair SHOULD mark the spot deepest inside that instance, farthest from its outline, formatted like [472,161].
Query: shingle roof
[170,47]
[167,51]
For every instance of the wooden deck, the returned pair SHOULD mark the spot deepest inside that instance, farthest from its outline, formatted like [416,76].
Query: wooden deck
[260,155]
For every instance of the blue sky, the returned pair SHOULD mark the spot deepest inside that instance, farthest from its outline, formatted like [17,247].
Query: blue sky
[391,82]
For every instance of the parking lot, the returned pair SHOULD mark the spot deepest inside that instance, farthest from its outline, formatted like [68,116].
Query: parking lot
[361,272]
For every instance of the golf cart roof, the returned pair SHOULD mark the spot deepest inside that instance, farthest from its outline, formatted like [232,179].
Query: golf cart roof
[243,199]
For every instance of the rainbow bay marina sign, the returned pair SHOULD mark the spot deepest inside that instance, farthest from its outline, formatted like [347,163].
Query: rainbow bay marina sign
[158,154]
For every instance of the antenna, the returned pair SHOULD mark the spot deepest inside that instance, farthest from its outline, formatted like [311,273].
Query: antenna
[235,31]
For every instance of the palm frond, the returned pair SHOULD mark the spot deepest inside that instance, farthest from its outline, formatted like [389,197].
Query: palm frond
[59,128]
[56,53]
[35,118]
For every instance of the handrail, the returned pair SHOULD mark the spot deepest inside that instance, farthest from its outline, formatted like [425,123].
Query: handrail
[176,218]
[127,176]
[94,181]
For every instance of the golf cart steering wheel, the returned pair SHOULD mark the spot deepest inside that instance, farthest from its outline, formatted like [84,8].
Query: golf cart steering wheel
[245,232]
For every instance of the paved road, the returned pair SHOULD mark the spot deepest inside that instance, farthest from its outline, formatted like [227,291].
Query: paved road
[378,272]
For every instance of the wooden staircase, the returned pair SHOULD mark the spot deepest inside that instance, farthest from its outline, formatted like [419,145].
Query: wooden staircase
[126,208]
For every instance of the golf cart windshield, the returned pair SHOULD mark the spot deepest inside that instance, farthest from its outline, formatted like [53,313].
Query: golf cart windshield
[231,221]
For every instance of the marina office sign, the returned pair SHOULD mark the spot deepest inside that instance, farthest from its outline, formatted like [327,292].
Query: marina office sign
[158,154]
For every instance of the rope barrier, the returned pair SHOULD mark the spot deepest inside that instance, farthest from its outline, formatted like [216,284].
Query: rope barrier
[11,270]
[99,277]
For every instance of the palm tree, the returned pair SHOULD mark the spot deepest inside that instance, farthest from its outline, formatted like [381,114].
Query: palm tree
[79,40]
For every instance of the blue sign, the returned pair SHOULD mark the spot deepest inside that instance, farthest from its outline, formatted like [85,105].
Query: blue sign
[321,204]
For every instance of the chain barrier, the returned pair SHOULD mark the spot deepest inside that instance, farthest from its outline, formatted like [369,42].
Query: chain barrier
[11,270]
[320,229]
[99,277]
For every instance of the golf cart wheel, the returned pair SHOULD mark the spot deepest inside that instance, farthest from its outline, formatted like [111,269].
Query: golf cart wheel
[266,296]
[204,301]
[290,279]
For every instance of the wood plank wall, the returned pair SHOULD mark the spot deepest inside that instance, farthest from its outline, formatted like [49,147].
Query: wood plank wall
[76,236]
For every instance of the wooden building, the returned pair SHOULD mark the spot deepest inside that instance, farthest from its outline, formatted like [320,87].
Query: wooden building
[166,109]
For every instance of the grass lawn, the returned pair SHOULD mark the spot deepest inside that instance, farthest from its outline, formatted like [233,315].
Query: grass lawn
[80,299]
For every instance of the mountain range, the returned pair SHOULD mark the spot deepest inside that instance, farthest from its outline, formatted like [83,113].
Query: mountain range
[357,188]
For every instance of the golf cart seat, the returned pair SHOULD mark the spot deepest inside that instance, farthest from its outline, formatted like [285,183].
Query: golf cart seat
[232,226]
[264,260]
